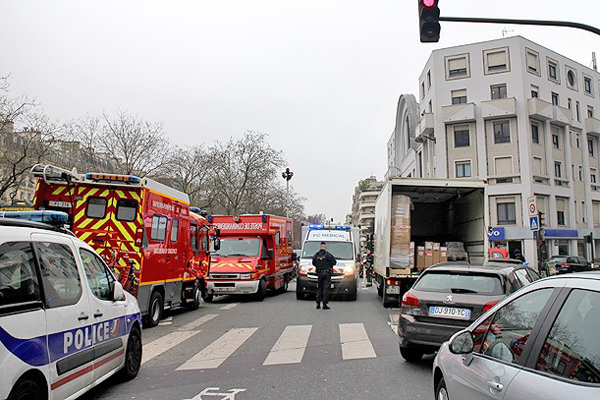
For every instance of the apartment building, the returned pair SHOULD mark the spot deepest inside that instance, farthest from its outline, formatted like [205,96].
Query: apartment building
[522,117]
[363,205]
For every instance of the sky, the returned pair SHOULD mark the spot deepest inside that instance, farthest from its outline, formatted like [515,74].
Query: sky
[321,77]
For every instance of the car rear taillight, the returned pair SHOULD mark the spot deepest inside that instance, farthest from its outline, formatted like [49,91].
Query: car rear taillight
[489,305]
[565,265]
[139,235]
[410,305]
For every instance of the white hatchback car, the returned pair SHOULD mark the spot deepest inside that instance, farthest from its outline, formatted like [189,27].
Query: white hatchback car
[65,323]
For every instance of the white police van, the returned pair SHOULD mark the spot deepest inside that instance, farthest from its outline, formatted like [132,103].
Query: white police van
[65,323]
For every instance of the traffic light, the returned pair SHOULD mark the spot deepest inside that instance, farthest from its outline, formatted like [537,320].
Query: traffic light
[429,21]
[542,220]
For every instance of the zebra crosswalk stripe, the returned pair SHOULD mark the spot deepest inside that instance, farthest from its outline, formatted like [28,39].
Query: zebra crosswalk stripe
[165,343]
[290,347]
[218,351]
[355,342]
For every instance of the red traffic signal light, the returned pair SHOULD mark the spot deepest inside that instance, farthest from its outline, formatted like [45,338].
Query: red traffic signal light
[429,21]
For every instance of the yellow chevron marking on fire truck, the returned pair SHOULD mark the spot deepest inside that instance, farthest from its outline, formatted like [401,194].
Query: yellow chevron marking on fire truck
[84,236]
[105,193]
[135,196]
[58,190]
[120,193]
[126,234]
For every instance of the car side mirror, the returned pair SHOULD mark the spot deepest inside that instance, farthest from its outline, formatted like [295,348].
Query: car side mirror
[217,244]
[268,256]
[118,292]
[462,343]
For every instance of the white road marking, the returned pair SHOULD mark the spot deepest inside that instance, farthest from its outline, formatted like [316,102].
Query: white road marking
[196,323]
[166,321]
[394,327]
[218,351]
[230,306]
[355,342]
[167,342]
[215,391]
[290,347]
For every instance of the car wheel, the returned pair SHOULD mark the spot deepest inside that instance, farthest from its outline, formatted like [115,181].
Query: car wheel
[133,356]
[261,293]
[411,355]
[441,391]
[26,389]
[155,309]
[194,303]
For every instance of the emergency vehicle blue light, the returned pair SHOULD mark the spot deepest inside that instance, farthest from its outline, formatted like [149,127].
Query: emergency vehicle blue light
[49,217]
[209,218]
[343,227]
[113,177]
[196,210]
[264,218]
[312,226]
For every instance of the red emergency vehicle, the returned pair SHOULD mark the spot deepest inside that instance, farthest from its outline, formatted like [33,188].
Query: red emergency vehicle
[255,255]
[143,229]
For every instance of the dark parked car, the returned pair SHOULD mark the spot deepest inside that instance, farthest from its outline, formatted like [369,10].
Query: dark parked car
[449,297]
[567,264]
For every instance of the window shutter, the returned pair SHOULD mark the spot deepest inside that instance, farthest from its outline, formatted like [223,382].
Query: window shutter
[496,59]
[503,166]
[457,63]
[532,61]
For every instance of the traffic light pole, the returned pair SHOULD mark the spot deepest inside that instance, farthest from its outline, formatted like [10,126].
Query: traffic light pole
[567,24]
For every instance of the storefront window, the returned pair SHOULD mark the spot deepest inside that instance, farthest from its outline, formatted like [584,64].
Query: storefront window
[581,249]
[563,248]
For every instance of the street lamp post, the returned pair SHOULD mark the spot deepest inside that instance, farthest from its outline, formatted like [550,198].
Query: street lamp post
[287,175]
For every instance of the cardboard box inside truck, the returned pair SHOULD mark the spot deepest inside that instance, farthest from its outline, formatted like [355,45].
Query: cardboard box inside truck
[420,258]
[436,253]
[443,254]
[428,254]
[400,233]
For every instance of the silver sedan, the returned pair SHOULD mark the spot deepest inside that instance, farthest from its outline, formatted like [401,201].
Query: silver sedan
[542,342]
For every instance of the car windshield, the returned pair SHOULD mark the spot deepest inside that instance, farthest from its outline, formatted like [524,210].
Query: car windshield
[452,282]
[238,247]
[558,259]
[340,250]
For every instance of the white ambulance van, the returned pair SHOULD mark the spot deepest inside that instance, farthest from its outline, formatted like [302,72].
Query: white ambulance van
[65,323]
[341,243]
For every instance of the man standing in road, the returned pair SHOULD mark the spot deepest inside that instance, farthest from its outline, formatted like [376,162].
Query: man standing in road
[324,262]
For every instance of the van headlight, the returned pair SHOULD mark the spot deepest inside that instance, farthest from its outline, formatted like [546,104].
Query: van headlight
[349,271]
[303,269]
[245,276]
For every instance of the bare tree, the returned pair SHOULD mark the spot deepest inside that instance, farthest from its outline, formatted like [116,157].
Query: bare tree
[20,150]
[316,218]
[88,131]
[241,172]
[190,173]
[141,147]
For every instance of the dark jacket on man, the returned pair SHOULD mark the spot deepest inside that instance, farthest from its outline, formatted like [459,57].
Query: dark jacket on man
[323,261]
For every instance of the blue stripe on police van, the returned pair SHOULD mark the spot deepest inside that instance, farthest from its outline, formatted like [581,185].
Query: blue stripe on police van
[32,351]
[38,352]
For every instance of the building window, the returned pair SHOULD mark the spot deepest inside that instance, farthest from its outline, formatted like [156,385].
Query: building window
[535,133]
[580,173]
[553,71]
[428,79]
[459,96]
[463,169]
[462,137]
[569,103]
[555,141]
[498,92]
[587,84]
[534,91]
[590,112]
[457,67]
[591,147]
[571,79]
[533,62]
[422,90]
[496,61]
[501,132]
[592,175]
[537,166]
[577,111]
[558,170]
[506,214]
[560,217]
[555,98]
[577,140]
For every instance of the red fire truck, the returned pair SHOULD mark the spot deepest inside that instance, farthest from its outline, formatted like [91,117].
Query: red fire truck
[143,229]
[255,255]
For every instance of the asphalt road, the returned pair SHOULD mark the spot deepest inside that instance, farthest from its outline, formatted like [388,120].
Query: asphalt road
[349,352]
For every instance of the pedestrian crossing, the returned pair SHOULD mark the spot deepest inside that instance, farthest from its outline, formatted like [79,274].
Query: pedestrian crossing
[290,347]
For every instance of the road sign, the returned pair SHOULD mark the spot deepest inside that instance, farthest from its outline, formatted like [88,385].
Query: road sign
[532,206]
[496,233]
[534,223]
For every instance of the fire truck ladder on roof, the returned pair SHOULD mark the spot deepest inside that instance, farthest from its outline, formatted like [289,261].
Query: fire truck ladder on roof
[52,174]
